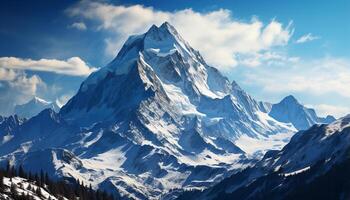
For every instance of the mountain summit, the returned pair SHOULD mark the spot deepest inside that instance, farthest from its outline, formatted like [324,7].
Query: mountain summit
[157,77]
[34,106]
[156,119]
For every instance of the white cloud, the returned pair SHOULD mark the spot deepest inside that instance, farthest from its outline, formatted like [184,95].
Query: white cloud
[307,38]
[323,83]
[326,109]
[16,87]
[317,77]
[79,25]
[215,34]
[73,66]
[266,58]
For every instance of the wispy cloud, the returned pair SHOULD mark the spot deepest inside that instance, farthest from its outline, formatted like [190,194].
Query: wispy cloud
[79,25]
[216,34]
[318,77]
[266,58]
[73,66]
[307,38]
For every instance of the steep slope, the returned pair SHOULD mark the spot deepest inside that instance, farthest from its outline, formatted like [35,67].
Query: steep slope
[289,110]
[153,122]
[310,160]
[34,106]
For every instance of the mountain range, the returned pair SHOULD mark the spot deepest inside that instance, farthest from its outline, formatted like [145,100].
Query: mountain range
[156,121]
[313,165]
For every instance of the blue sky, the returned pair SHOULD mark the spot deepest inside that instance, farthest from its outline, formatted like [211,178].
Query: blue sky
[271,48]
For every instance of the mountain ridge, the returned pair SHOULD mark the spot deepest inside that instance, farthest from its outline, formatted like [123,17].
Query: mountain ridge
[310,160]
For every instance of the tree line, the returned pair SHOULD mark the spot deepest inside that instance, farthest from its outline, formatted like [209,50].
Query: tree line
[73,190]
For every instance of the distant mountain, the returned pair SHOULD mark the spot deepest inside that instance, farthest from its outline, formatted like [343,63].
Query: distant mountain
[34,106]
[289,110]
[156,120]
[313,165]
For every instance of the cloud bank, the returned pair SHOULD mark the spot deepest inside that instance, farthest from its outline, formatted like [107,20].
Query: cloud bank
[326,109]
[318,77]
[73,66]
[215,34]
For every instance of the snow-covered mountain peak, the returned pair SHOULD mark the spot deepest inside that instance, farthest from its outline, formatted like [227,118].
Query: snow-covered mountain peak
[169,119]
[290,100]
[289,110]
[160,46]
[235,86]
[165,40]
[34,106]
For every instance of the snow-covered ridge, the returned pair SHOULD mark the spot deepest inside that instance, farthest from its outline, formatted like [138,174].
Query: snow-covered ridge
[310,157]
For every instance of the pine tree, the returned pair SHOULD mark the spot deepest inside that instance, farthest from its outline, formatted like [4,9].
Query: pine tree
[29,187]
[47,179]
[30,176]
[21,172]
[42,178]
[13,171]
[8,168]
[13,189]
[38,191]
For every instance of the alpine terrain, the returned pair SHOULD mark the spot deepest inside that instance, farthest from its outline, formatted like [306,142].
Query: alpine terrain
[155,121]
[313,165]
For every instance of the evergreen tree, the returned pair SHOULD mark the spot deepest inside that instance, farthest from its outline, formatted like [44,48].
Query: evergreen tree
[13,189]
[2,186]
[21,172]
[8,168]
[72,191]
[38,191]
[29,187]
[42,178]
